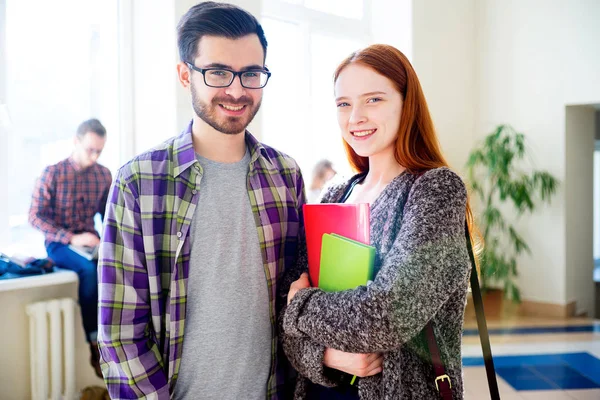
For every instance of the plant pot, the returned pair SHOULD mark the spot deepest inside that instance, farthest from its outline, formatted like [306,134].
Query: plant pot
[495,305]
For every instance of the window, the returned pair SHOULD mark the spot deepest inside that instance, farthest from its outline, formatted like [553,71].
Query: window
[61,67]
[307,40]
[343,8]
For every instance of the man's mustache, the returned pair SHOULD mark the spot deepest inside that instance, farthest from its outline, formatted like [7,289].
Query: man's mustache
[244,100]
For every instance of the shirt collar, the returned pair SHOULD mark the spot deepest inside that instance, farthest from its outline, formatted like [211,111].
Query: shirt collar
[256,149]
[183,151]
[74,164]
[185,156]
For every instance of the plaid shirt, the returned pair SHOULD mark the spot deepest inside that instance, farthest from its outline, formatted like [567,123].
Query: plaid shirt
[145,258]
[66,198]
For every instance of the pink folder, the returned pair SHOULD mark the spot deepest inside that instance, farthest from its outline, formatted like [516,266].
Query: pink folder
[348,220]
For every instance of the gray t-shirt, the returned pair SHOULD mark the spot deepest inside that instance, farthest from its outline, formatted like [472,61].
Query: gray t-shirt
[227,343]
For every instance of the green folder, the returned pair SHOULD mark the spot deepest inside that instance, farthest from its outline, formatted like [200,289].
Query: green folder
[345,263]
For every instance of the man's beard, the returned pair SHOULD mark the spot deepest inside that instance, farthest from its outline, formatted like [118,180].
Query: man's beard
[228,125]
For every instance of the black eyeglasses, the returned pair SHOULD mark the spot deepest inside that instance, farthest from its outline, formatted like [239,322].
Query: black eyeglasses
[221,77]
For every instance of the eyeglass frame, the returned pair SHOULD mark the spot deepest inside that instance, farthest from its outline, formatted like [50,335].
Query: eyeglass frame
[235,73]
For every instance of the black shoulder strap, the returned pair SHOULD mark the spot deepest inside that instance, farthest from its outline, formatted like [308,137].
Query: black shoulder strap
[355,180]
[442,380]
[481,324]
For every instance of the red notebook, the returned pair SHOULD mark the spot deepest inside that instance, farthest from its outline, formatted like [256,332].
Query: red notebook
[348,220]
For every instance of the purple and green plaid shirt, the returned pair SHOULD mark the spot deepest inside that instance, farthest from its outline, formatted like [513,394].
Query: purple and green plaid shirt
[145,259]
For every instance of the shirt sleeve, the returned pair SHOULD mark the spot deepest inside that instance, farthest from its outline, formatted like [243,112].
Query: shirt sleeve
[131,361]
[41,211]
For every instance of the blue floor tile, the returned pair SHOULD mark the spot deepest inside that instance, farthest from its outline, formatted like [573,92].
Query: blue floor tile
[525,378]
[584,363]
[546,371]
[516,361]
[565,377]
[593,327]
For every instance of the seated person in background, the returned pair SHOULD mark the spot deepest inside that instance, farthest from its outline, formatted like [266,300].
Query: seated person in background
[322,172]
[65,199]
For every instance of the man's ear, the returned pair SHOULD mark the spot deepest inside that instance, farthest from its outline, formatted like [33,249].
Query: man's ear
[183,74]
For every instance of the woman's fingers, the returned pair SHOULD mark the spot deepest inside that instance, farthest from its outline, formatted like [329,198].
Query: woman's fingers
[375,367]
[372,357]
[359,364]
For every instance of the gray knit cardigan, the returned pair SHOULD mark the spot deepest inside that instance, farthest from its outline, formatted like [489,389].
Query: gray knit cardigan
[422,265]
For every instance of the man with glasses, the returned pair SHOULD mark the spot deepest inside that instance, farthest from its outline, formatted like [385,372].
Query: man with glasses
[65,200]
[198,233]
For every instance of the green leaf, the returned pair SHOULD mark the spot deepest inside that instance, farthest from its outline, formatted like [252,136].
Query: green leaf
[492,217]
[517,241]
[515,294]
[513,267]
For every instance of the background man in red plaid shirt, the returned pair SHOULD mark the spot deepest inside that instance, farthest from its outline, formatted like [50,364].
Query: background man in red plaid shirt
[65,199]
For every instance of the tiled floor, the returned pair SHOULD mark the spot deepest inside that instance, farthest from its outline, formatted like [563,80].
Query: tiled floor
[536,359]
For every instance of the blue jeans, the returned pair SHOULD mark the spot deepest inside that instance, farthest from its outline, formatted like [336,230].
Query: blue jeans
[87,271]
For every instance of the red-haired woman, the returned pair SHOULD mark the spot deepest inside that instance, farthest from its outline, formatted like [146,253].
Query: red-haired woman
[418,212]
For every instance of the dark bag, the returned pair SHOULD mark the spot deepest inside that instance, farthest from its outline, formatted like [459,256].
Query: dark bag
[10,270]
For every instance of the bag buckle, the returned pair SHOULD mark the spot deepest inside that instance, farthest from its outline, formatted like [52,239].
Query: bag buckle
[442,378]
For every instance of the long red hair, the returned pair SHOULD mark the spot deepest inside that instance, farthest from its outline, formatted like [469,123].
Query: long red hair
[417,146]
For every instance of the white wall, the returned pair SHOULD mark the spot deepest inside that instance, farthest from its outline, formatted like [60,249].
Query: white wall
[444,58]
[534,58]
[391,23]
[579,179]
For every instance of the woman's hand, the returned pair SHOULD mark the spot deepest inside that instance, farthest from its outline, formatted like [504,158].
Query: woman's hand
[301,283]
[360,365]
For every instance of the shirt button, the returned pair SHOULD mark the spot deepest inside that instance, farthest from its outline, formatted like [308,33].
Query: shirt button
[194,191]
[178,234]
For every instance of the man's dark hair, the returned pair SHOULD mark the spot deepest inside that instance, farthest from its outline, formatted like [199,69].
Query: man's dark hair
[215,19]
[91,125]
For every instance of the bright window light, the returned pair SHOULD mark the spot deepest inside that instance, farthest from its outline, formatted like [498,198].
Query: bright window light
[61,68]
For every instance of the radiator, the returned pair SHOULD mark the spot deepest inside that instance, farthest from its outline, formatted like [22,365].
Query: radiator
[52,349]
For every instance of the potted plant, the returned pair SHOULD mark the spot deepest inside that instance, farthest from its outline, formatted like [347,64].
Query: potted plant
[501,179]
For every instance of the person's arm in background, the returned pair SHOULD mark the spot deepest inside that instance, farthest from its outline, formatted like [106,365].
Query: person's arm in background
[41,212]
[427,263]
[312,360]
[131,360]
